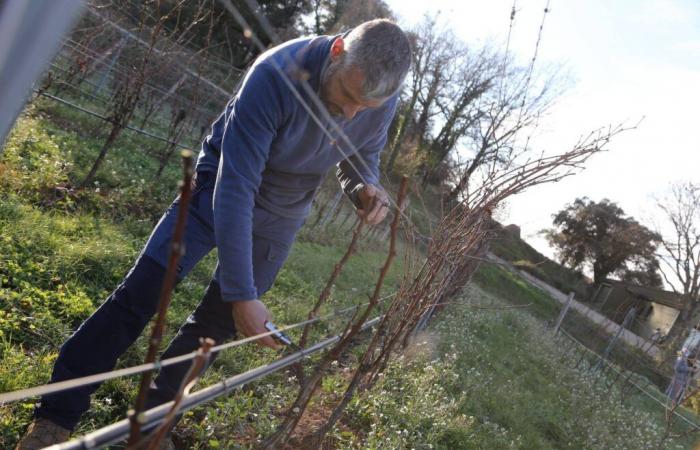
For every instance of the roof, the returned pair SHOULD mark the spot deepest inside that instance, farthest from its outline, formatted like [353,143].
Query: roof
[666,298]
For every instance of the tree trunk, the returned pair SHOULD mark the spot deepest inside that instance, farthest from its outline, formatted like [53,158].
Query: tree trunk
[163,162]
[113,135]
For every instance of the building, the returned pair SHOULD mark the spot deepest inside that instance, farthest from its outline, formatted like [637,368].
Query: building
[656,308]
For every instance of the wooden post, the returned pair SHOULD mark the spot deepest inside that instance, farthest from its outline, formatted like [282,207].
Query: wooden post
[597,291]
[30,35]
[177,250]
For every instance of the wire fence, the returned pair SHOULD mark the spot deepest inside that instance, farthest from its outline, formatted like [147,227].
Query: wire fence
[52,388]
[107,119]
[109,70]
[624,366]
[99,55]
[626,376]
[120,430]
[624,369]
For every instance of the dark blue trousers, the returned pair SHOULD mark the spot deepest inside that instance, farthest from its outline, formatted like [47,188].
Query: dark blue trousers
[116,324]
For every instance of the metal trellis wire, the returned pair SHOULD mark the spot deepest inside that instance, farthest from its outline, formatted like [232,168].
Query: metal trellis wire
[66,385]
[120,430]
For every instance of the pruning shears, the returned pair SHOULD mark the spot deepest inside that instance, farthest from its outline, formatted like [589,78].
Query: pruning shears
[279,336]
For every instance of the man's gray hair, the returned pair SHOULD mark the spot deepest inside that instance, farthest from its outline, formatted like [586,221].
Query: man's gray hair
[382,51]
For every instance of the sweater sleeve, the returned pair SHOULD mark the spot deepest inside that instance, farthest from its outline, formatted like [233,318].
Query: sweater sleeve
[366,160]
[253,118]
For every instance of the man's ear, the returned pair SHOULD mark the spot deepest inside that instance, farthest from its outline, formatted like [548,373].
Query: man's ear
[337,48]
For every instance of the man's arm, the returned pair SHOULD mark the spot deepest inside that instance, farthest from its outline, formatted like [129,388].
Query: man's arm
[251,125]
[361,183]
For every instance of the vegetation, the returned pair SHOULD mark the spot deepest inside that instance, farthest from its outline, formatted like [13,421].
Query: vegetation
[476,379]
[482,379]
[681,247]
[503,283]
[499,379]
[598,234]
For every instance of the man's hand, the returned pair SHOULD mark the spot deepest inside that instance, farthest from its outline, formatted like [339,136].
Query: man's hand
[375,204]
[249,316]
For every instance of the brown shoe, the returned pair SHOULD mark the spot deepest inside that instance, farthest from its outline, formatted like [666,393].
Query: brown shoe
[42,433]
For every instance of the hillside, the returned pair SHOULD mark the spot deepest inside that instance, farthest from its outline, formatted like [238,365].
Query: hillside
[509,246]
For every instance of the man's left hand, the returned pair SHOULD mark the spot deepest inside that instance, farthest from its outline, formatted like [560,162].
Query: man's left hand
[375,204]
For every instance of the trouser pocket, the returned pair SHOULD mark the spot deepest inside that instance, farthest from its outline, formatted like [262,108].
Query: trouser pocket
[268,258]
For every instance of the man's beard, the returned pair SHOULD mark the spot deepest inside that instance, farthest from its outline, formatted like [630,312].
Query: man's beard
[333,109]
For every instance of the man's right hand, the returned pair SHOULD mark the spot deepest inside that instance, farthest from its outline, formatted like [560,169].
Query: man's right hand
[250,316]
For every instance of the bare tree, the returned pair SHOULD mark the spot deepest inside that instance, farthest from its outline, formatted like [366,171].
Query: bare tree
[333,16]
[461,113]
[506,110]
[465,106]
[129,85]
[436,53]
[86,50]
[681,255]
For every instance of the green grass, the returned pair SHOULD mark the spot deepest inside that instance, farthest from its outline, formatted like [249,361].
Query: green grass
[498,379]
[62,257]
[506,285]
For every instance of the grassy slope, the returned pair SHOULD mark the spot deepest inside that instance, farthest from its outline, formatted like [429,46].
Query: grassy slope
[496,379]
[513,249]
[479,384]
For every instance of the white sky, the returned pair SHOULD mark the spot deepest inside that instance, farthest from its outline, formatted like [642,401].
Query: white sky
[629,59]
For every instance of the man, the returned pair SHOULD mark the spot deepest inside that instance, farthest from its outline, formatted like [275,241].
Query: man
[256,175]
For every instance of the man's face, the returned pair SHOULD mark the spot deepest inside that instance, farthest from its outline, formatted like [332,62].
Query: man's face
[342,93]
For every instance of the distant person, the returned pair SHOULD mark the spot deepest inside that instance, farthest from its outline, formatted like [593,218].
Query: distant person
[657,337]
[683,371]
[257,174]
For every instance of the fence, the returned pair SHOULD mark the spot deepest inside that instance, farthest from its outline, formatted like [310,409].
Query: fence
[625,364]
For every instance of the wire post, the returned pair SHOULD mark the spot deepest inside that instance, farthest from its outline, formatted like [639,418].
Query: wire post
[625,323]
[112,62]
[116,432]
[581,346]
[563,312]
[62,386]
[177,249]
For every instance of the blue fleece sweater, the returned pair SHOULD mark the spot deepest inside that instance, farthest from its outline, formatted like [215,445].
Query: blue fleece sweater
[268,152]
